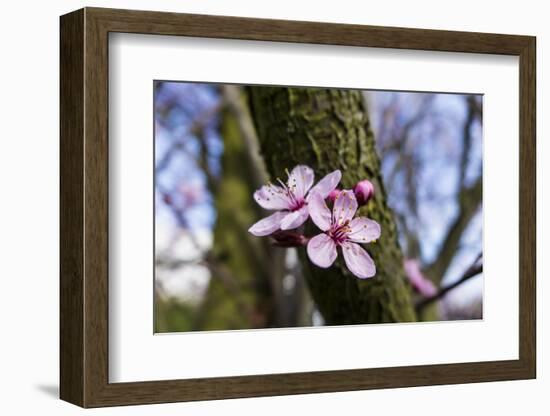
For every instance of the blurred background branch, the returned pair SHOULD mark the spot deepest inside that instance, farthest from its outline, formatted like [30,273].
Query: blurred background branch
[431,153]
[475,269]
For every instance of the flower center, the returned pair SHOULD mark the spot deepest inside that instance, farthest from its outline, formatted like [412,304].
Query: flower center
[288,190]
[339,232]
[297,204]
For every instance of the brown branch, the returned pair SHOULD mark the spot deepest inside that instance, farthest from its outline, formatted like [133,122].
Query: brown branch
[469,203]
[466,139]
[475,269]
[469,199]
[397,140]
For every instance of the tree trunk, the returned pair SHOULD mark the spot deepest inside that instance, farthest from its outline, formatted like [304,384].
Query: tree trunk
[246,272]
[329,129]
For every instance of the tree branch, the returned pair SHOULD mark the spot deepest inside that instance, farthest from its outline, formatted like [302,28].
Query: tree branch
[233,99]
[471,116]
[475,269]
[469,203]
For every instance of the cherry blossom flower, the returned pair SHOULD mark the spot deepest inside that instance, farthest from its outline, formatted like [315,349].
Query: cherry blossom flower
[291,199]
[341,229]
[419,282]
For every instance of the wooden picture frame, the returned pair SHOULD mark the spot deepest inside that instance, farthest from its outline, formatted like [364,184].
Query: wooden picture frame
[84,207]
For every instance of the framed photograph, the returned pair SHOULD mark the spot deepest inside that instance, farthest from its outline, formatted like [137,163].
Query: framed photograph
[260,207]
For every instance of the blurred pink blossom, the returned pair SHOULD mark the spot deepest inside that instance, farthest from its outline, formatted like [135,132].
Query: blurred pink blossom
[419,282]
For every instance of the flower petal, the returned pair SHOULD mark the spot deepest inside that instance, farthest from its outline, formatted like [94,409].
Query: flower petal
[363,230]
[267,225]
[358,260]
[322,250]
[319,212]
[300,180]
[295,218]
[345,207]
[326,185]
[272,197]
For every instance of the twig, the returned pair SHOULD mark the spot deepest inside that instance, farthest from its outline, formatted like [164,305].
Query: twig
[197,125]
[467,139]
[475,269]
[469,201]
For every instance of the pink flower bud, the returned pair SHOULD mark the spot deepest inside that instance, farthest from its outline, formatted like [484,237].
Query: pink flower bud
[286,238]
[334,194]
[364,191]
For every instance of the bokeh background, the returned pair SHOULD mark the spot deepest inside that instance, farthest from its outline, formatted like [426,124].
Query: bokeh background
[210,274]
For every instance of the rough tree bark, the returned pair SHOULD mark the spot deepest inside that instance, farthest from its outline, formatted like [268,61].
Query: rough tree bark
[329,129]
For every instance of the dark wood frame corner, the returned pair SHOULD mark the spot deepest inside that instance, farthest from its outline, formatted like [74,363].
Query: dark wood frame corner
[84,207]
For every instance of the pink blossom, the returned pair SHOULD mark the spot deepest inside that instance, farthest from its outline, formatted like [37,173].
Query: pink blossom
[341,229]
[364,191]
[291,199]
[417,279]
